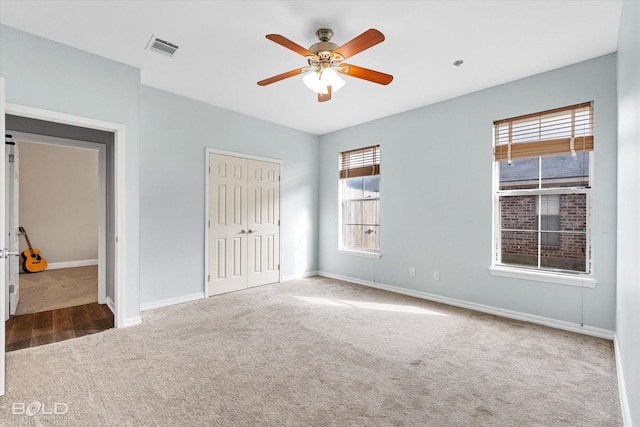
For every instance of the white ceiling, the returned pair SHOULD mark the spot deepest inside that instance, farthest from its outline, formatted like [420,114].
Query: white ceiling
[223,50]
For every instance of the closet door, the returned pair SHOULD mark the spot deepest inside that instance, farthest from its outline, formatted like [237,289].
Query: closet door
[244,223]
[264,223]
[228,224]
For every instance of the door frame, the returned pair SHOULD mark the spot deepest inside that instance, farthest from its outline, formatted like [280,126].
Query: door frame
[207,169]
[118,131]
[102,194]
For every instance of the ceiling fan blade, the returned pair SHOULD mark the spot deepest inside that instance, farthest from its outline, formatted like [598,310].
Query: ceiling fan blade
[283,41]
[365,74]
[325,97]
[364,41]
[282,76]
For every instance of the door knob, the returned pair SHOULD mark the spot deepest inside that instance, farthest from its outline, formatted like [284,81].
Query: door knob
[243,231]
[4,253]
[251,231]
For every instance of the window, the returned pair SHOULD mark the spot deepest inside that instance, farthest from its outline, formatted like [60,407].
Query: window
[543,170]
[548,211]
[360,199]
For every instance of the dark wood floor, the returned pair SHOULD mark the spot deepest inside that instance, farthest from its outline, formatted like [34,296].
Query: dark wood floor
[30,330]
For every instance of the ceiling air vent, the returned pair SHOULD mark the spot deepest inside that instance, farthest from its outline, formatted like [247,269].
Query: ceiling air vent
[162,46]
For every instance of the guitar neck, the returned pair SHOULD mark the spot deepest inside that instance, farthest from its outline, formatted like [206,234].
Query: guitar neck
[26,237]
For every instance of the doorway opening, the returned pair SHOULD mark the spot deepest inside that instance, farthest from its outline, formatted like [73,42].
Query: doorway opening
[106,138]
[57,194]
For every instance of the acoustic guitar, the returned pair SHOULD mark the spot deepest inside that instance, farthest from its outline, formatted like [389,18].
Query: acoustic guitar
[32,261]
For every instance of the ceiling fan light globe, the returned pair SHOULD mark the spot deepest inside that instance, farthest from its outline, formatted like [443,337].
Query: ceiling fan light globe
[312,80]
[331,78]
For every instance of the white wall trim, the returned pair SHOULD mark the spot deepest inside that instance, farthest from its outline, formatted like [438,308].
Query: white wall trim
[118,131]
[545,321]
[580,280]
[622,389]
[172,301]
[132,321]
[299,276]
[241,156]
[111,305]
[71,264]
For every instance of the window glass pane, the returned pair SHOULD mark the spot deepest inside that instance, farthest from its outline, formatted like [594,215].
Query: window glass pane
[363,212]
[361,237]
[569,255]
[565,170]
[545,172]
[519,223]
[520,247]
[562,222]
[550,223]
[573,212]
[352,188]
[361,224]
[523,173]
[518,213]
[371,186]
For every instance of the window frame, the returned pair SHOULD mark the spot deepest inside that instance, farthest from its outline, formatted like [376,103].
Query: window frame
[563,277]
[343,175]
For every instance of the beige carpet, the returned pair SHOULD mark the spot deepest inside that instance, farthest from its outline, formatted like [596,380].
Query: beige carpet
[316,352]
[53,289]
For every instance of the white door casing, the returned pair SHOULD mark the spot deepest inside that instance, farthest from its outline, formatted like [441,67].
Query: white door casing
[3,262]
[13,238]
[243,223]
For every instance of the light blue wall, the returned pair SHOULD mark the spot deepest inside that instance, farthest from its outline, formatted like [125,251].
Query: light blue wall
[175,131]
[436,200]
[166,136]
[628,325]
[44,74]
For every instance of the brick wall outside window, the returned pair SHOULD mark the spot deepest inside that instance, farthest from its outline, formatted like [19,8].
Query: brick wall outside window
[521,247]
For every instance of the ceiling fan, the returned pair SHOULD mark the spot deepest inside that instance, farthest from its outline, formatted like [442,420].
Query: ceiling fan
[325,62]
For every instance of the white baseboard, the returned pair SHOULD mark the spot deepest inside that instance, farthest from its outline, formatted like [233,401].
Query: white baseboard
[111,305]
[553,323]
[299,276]
[622,389]
[71,264]
[171,301]
[132,321]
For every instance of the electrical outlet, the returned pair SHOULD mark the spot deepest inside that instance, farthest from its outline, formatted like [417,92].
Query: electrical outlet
[436,275]
[412,271]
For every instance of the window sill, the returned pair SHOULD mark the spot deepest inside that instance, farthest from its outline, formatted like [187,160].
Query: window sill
[375,255]
[543,276]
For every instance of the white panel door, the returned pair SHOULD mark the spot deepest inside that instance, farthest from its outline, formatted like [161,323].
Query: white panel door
[244,223]
[228,224]
[3,260]
[264,223]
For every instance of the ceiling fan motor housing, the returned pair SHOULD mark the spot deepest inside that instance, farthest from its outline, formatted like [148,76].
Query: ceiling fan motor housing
[324,48]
